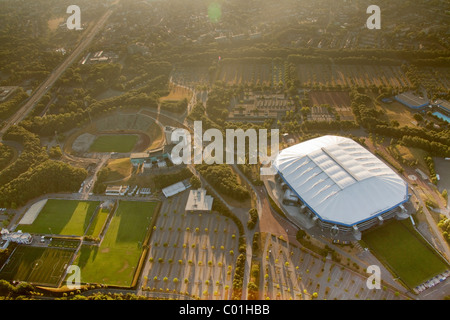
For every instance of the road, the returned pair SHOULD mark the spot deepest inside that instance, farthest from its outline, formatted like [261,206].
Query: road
[48,83]
[445,250]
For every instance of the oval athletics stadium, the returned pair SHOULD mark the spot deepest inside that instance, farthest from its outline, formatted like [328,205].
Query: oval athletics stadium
[336,188]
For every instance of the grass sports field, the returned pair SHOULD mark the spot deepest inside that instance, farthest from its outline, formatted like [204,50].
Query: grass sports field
[114,143]
[115,261]
[405,252]
[97,224]
[63,217]
[38,265]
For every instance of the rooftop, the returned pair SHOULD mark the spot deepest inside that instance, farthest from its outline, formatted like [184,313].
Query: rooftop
[199,201]
[339,180]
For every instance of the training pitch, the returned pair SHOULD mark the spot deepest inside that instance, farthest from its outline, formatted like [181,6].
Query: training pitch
[405,252]
[62,217]
[114,143]
[114,262]
[38,265]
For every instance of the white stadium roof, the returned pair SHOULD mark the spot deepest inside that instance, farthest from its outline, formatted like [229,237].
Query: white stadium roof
[339,180]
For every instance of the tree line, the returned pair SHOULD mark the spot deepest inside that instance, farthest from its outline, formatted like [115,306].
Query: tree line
[6,155]
[8,107]
[48,124]
[222,177]
[33,173]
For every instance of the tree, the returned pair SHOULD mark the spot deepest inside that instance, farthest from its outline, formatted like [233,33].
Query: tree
[195,182]
[253,218]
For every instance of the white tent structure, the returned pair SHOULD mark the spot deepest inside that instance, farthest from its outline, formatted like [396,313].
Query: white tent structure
[340,182]
[174,189]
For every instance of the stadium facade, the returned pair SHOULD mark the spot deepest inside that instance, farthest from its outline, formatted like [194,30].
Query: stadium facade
[339,187]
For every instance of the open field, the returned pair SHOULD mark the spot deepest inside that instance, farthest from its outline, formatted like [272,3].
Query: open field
[54,23]
[120,132]
[398,112]
[119,169]
[33,212]
[190,76]
[349,75]
[114,262]
[114,143]
[98,223]
[63,217]
[38,265]
[249,73]
[405,252]
[338,100]
[316,74]
[177,93]
[409,155]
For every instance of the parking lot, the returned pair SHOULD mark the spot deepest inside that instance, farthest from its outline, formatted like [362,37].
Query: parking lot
[191,253]
[288,272]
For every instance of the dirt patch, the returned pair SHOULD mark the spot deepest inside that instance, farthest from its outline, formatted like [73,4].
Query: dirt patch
[125,267]
[53,24]
[142,143]
[83,142]
[340,99]
[33,212]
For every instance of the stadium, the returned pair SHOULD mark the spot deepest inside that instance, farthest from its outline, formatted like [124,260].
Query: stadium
[334,185]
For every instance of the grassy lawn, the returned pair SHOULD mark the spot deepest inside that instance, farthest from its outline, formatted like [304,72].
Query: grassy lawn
[177,93]
[97,224]
[405,252]
[397,111]
[120,169]
[410,154]
[63,217]
[114,143]
[115,261]
[38,265]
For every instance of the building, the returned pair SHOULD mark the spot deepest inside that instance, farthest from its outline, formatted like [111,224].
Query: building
[17,237]
[199,202]
[342,188]
[99,56]
[175,188]
[145,191]
[261,107]
[6,92]
[148,159]
[116,190]
[444,105]
[412,101]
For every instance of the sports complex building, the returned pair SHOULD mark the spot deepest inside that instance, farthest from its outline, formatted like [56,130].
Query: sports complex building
[338,187]
[412,101]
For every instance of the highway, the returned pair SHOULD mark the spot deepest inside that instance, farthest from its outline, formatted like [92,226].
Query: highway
[48,83]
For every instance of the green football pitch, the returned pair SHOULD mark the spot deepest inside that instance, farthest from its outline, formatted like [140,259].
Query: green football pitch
[116,260]
[38,265]
[114,143]
[408,255]
[63,217]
